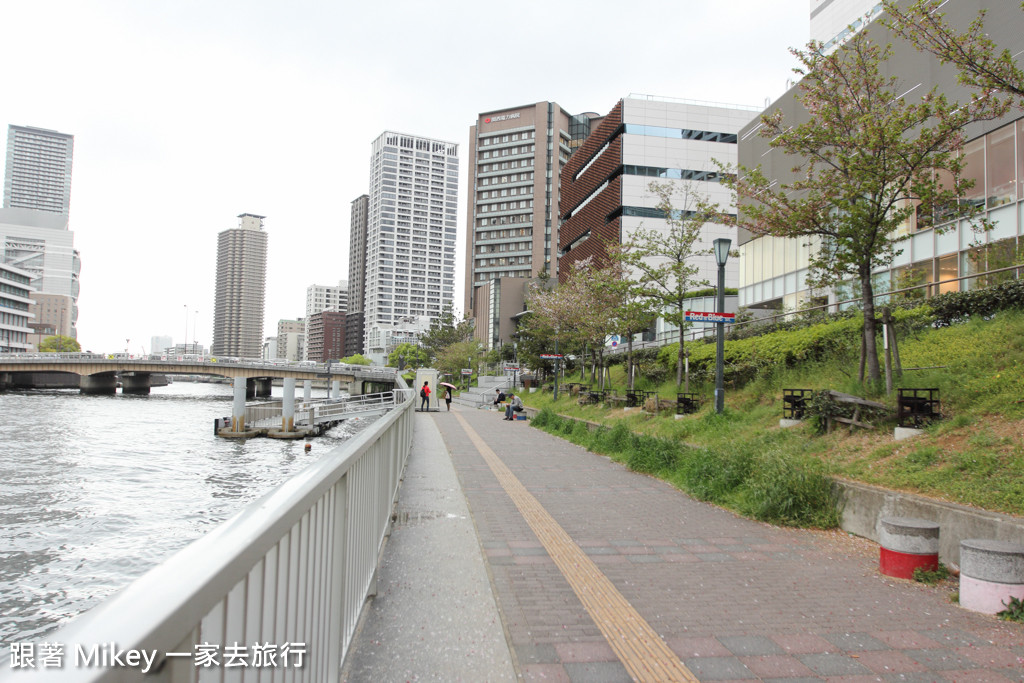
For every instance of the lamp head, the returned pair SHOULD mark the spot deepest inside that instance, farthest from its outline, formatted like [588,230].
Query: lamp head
[722,245]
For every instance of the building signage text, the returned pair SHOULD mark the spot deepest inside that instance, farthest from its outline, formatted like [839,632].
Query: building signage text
[503,117]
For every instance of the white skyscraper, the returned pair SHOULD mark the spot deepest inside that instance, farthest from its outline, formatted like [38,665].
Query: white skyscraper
[410,241]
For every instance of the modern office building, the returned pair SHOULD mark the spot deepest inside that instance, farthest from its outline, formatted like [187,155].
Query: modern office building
[38,170]
[936,251]
[354,327]
[410,237]
[15,317]
[832,21]
[326,336]
[606,193]
[240,289]
[515,157]
[34,220]
[39,243]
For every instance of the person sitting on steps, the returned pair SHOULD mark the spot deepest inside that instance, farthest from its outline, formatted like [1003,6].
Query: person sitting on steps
[500,397]
[515,405]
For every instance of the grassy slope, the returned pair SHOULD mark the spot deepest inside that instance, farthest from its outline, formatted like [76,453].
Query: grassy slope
[975,456]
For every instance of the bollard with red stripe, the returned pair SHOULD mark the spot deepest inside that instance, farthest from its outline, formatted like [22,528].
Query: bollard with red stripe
[991,572]
[907,544]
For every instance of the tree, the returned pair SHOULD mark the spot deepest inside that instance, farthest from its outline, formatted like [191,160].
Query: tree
[453,358]
[663,258]
[631,312]
[982,65]
[445,330]
[356,359]
[59,344]
[862,161]
[408,355]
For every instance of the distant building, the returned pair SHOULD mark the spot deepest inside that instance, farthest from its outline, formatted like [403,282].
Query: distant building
[411,229]
[388,337]
[326,340]
[240,289]
[515,156]
[357,255]
[833,21]
[160,344]
[321,298]
[38,169]
[52,315]
[15,299]
[291,338]
[353,333]
[34,234]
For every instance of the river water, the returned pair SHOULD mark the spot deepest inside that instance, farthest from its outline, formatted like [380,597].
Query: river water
[95,490]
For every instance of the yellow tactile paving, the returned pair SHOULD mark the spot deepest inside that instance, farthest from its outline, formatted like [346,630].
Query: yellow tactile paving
[636,644]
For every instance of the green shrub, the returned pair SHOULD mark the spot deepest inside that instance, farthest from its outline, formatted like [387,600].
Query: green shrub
[544,418]
[652,455]
[715,475]
[955,307]
[791,492]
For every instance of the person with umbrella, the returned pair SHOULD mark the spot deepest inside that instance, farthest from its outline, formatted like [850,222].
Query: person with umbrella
[447,395]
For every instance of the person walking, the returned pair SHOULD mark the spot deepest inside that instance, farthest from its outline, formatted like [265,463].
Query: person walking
[424,397]
[448,398]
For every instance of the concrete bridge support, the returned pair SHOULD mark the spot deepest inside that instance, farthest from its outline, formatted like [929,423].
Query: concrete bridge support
[335,388]
[264,385]
[241,386]
[288,430]
[135,383]
[307,390]
[101,383]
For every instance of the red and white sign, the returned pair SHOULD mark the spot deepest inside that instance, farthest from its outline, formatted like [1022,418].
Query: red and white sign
[707,317]
[551,355]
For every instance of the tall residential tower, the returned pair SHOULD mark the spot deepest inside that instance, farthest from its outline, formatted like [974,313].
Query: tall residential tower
[241,287]
[410,238]
[38,170]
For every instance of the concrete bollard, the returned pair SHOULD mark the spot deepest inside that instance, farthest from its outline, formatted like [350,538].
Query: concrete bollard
[907,544]
[991,572]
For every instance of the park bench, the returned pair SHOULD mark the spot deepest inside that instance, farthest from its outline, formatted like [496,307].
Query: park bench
[858,403]
[917,407]
[687,403]
[794,403]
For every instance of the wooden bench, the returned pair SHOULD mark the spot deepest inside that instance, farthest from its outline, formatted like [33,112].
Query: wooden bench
[859,403]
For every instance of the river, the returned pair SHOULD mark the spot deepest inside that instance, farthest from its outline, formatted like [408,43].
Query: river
[95,490]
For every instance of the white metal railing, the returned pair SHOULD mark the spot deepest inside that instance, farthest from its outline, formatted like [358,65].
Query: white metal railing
[286,578]
[325,410]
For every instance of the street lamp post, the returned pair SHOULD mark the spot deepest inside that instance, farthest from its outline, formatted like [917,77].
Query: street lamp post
[722,245]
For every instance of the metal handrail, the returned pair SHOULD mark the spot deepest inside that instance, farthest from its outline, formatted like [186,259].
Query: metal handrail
[294,567]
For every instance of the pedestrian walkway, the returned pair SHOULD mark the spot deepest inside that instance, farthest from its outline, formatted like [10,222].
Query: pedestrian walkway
[597,573]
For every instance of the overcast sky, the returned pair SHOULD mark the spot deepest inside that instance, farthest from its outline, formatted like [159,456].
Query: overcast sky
[187,113]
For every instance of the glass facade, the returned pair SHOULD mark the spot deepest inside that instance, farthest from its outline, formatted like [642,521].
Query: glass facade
[774,270]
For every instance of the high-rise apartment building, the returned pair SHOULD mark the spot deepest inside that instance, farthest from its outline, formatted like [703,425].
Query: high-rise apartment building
[515,156]
[355,323]
[410,237]
[325,338]
[606,193]
[241,288]
[323,298]
[38,170]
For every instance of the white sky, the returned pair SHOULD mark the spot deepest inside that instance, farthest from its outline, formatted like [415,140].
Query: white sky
[187,113]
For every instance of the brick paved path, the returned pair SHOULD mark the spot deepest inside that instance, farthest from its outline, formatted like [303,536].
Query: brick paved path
[733,598]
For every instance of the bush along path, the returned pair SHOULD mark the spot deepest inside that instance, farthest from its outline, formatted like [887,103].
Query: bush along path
[764,483]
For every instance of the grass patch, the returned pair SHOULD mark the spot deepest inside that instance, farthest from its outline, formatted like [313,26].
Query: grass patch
[742,460]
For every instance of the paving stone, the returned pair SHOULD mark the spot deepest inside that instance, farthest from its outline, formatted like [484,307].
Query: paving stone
[941,660]
[855,642]
[597,672]
[804,643]
[889,662]
[751,645]
[834,665]
[718,668]
[776,666]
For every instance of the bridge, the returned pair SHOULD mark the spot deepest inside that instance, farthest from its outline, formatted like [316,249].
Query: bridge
[100,373]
